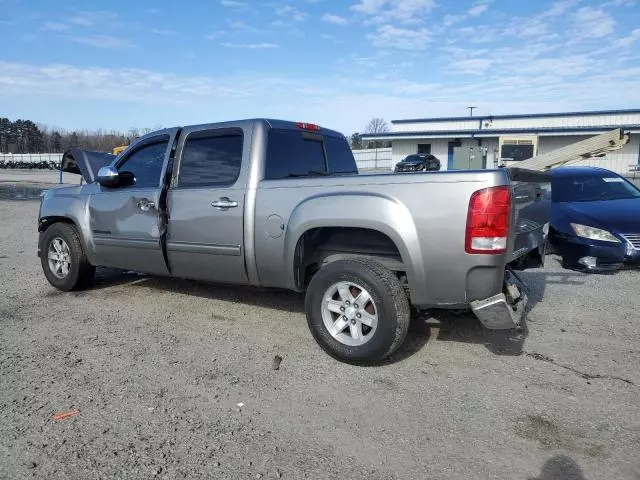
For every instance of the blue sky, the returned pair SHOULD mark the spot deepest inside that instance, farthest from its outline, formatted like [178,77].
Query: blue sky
[118,64]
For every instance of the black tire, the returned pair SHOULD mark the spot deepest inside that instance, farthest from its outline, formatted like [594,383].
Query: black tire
[388,295]
[81,273]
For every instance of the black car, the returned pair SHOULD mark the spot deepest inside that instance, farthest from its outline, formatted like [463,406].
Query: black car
[595,219]
[418,162]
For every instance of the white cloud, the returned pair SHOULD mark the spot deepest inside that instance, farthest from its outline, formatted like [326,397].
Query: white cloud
[335,19]
[534,27]
[55,27]
[364,62]
[478,9]
[236,27]
[472,66]
[136,85]
[163,32]
[479,34]
[558,8]
[388,36]
[404,11]
[630,39]
[91,18]
[250,46]
[234,4]
[516,80]
[451,19]
[592,23]
[291,13]
[214,35]
[103,41]
[368,7]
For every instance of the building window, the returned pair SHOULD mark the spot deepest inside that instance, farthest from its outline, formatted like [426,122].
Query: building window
[424,148]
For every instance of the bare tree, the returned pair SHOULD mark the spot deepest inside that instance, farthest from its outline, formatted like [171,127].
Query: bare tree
[377,125]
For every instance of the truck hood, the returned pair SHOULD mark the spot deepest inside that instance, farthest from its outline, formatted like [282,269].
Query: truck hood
[85,162]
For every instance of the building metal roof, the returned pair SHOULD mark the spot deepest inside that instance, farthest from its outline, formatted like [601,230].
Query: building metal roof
[488,132]
[520,116]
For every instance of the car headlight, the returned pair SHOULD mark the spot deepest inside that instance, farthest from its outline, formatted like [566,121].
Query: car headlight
[593,233]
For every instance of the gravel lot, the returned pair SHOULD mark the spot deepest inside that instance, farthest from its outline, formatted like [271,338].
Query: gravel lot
[158,367]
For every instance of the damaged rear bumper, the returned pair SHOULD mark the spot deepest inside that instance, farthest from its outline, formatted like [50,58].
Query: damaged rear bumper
[505,310]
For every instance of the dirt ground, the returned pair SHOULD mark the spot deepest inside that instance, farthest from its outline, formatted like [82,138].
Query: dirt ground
[175,379]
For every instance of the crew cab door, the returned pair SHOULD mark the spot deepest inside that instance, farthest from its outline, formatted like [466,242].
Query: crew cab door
[125,220]
[206,205]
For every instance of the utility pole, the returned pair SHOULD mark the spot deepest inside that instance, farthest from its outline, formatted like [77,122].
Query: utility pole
[471,109]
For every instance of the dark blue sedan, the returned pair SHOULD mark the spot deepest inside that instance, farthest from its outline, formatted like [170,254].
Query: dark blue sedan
[595,219]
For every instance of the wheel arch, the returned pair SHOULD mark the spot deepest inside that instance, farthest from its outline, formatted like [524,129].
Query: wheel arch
[380,215]
[45,222]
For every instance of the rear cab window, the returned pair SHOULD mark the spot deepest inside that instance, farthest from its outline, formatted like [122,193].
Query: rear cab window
[298,153]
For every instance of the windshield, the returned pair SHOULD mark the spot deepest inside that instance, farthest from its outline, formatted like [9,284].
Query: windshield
[592,187]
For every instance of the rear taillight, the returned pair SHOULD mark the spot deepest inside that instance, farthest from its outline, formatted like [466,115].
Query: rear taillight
[488,221]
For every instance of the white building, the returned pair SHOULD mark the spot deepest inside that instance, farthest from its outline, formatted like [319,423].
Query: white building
[489,141]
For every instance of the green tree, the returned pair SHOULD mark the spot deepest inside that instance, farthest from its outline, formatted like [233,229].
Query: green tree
[356,141]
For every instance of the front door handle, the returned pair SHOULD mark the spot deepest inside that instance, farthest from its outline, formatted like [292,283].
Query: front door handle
[223,203]
[145,205]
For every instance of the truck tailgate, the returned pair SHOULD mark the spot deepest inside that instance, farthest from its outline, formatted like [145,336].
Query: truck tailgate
[531,200]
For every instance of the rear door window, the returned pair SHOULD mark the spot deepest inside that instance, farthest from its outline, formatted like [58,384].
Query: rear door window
[211,159]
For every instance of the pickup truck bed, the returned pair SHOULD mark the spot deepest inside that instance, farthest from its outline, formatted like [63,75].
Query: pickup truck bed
[279,204]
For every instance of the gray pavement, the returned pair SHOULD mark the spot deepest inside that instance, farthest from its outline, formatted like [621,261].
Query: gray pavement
[174,379]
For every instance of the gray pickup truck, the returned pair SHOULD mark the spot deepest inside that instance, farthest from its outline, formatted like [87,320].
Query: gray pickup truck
[271,203]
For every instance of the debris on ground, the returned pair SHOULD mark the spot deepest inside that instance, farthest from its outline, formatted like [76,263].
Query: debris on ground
[276,362]
[65,415]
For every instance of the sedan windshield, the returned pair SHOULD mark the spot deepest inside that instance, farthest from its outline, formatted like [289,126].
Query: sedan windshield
[592,187]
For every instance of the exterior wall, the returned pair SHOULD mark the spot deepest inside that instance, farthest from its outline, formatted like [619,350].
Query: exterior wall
[618,161]
[439,149]
[492,151]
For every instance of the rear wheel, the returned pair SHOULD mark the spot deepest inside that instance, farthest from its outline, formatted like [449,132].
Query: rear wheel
[63,260]
[357,310]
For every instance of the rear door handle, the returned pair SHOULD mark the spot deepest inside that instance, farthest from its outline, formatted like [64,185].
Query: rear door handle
[224,203]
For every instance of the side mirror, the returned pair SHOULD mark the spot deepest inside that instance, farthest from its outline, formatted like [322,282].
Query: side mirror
[108,177]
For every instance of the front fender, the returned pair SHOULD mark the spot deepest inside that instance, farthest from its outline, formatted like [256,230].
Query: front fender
[357,210]
[68,205]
